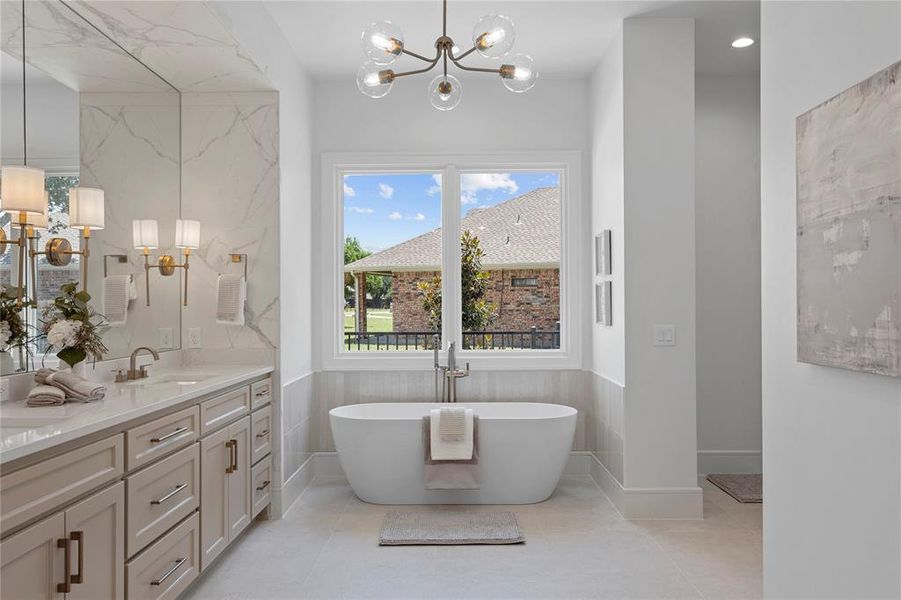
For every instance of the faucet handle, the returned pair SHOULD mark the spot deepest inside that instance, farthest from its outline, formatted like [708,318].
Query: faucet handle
[143,372]
[120,375]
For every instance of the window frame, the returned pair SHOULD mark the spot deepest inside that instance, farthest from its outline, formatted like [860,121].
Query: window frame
[334,166]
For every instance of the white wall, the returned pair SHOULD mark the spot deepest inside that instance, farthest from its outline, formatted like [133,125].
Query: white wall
[831,438]
[727,263]
[660,422]
[52,124]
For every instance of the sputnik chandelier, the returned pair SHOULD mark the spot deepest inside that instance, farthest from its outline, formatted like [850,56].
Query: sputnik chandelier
[492,37]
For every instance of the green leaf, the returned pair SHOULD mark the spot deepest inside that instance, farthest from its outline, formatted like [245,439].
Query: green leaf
[83,296]
[71,356]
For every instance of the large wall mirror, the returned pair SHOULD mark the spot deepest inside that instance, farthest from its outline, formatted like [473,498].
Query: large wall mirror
[90,115]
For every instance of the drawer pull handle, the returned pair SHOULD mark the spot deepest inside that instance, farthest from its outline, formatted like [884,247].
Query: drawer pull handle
[65,587]
[262,393]
[177,489]
[263,433]
[231,444]
[178,431]
[168,573]
[263,485]
[78,536]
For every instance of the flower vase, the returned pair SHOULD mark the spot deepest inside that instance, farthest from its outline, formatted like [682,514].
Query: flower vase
[7,364]
[80,369]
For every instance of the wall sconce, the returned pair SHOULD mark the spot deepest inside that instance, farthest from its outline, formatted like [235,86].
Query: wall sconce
[86,210]
[146,237]
[22,193]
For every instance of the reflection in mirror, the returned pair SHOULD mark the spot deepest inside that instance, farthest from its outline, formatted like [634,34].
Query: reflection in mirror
[91,116]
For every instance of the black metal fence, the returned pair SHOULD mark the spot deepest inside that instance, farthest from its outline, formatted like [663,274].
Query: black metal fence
[533,339]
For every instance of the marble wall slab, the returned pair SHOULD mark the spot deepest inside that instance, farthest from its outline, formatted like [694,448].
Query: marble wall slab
[230,183]
[340,388]
[130,147]
[184,40]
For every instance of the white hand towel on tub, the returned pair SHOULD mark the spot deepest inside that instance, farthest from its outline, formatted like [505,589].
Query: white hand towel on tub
[446,447]
[115,299]
[230,304]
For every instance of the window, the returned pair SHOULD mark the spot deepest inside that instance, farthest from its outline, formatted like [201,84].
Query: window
[488,271]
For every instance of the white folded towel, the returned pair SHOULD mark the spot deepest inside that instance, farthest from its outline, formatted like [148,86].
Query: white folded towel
[232,290]
[451,449]
[132,289]
[115,298]
[453,424]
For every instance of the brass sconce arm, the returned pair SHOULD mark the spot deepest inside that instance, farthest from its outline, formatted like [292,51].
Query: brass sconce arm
[59,253]
[167,265]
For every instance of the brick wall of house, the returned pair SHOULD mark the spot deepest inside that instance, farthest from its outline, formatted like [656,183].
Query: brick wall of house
[518,308]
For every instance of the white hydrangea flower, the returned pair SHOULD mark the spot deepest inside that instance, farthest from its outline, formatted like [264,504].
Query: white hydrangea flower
[5,334]
[64,333]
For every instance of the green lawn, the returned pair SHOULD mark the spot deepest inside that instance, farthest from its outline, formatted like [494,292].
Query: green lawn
[377,320]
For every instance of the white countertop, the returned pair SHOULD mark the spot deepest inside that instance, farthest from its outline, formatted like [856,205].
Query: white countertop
[25,430]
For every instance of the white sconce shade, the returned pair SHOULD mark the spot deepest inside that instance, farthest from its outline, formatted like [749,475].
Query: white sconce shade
[21,189]
[187,234]
[146,234]
[86,207]
[40,220]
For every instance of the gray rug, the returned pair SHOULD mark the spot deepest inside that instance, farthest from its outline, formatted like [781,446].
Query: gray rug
[744,488]
[450,527]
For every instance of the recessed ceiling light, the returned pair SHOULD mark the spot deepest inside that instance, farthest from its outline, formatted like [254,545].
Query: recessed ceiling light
[742,42]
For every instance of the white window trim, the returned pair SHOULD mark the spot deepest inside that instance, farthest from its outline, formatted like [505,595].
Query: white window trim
[335,165]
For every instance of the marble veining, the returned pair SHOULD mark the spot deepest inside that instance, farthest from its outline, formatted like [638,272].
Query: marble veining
[230,159]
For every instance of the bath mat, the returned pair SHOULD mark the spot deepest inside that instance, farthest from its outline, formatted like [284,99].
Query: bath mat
[450,527]
[744,488]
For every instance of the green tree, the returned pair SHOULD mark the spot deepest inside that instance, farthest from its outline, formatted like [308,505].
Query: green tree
[377,286]
[478,313]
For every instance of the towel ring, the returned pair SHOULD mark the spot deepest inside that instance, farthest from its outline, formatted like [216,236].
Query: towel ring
[120,258]
[240,258]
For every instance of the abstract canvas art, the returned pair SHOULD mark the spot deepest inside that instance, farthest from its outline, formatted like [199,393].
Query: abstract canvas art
[849,228]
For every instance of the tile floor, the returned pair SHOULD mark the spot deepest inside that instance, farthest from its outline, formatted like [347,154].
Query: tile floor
[577,546]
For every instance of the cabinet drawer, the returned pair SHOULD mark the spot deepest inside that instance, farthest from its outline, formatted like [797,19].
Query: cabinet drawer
[261,434]
[162,495]
[40,488]
[260,393]
[168,566]
[261,480]
[224,409]
[161,436]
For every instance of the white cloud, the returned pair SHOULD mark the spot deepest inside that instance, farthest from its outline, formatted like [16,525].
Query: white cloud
[419,217]
[349,192]
[386,191]
[472,183]
[395,216]
[359,210]
[435,189]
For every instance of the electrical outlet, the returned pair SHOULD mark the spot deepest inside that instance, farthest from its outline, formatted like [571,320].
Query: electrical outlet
[165,338]
[664,335]
[194,339]
[4,389]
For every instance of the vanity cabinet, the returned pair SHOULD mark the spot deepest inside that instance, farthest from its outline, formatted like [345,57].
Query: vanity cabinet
[225,495]
[88,535]
[140,513]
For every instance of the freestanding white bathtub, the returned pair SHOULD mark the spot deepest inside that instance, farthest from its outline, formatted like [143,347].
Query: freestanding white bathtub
[523,449]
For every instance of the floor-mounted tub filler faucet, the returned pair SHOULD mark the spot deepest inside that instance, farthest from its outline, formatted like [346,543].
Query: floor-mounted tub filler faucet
[449,374]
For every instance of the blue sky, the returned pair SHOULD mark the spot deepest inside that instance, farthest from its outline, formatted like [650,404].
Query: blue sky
[384,210]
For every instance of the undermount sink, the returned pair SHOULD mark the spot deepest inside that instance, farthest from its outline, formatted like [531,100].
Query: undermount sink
[183,378]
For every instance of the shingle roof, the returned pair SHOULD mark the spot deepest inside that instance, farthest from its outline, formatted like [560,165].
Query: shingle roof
[523,232]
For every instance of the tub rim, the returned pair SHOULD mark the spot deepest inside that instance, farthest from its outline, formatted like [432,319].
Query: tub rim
[341,412]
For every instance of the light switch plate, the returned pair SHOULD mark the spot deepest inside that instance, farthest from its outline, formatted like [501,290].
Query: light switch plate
[4,390]
[194,339]
[165,338]
[664,335]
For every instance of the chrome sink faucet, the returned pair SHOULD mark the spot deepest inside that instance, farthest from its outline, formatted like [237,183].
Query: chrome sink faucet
[448,374]
[133,372]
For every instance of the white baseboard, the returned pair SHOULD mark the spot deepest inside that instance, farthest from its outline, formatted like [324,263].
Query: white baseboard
[649,503]
[327,466]
[729,461]
[283,499]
